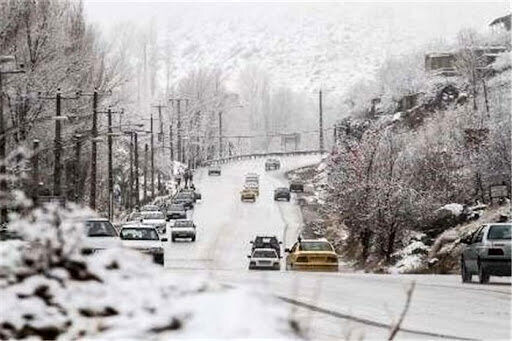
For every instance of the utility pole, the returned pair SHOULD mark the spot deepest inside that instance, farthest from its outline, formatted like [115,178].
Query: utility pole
[110,168]
[130,198]
[136,156]
[77,165]
[161,138]
[220,134]
[320,123]
[3,168]
[145,172]
[57,143]
[152,161]
[178,131]
[170,142]
[92,199]
[35,169]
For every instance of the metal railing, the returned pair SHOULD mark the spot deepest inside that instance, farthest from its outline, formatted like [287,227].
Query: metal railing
[261,155]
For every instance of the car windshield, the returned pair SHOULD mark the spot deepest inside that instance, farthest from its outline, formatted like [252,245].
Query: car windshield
[153,215]
[176,208]
[264,254]
[499,232]
[100,229]
[315,246]
[150,208]
[135,233]
[184,223]
[265,240]
[183,195]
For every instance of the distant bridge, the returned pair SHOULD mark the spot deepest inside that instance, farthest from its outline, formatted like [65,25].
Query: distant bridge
[262,155]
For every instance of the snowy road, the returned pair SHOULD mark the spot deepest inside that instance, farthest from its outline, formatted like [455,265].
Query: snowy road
[329,305]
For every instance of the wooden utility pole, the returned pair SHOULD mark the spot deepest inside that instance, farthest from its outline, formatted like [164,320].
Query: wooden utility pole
[145,172]
[152,161]
[220,134]
[35,169]
[92,198]
[136,171]
[320,122]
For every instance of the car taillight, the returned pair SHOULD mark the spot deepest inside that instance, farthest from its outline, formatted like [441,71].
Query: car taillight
[302,259]
[495,252]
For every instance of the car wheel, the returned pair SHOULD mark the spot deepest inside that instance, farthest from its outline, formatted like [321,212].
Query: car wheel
[466,276]
[173,239]
[483,276]
[193,238]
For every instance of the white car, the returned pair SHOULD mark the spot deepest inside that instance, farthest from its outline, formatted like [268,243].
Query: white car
[264,259]
[155,219]
[100,234]
[143,238]
[183,229]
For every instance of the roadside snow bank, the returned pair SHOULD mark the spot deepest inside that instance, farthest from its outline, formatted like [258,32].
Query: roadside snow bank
[49,290]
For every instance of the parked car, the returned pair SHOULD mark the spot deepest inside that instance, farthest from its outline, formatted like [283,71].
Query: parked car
[272,164]
[487,252]
[155,219]
[186,199]
[282,193]
[143,238]
[176,211]
[266,242]
[214,170]
[100,234]
[183,229]
[150,208]
[296,186]
[248,194]
[196,195]
[312,254]
[264,259]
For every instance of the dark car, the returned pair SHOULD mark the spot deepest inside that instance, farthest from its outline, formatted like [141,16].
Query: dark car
[282,193]
[186,199]
[487,252]
[266,242]
[176,211]
[297,186]
[214,170]
[272,164]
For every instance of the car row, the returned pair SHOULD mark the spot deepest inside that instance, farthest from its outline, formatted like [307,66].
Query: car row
[251,187]
[305,254]
[100,234]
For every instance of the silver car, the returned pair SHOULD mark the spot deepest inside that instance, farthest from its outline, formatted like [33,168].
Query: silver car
[264,259]
[487,252]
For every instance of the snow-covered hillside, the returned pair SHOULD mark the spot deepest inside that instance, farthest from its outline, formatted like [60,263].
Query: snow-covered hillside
[301,45]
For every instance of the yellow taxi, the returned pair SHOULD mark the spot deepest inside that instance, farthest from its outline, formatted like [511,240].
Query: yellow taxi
[247,194]
[312,254]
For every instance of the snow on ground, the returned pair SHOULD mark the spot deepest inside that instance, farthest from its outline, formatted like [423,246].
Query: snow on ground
[226,225]
[48,290]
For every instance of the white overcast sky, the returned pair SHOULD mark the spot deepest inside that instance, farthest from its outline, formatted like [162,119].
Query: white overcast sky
[444,17]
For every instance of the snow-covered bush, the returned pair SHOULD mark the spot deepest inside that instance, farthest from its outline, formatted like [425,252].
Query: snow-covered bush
[49,290]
